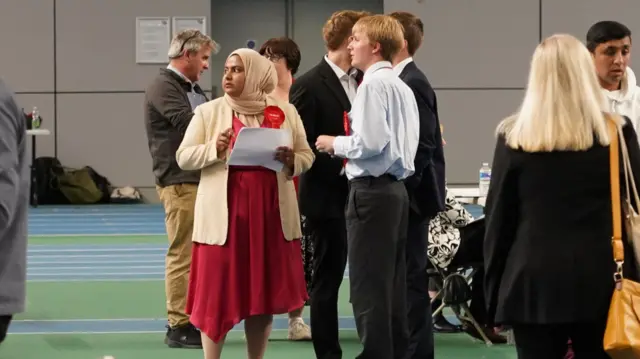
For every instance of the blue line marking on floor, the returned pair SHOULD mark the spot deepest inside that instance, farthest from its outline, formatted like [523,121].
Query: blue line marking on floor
[100,262]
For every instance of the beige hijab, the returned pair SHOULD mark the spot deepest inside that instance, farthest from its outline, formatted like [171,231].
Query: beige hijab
[261,79]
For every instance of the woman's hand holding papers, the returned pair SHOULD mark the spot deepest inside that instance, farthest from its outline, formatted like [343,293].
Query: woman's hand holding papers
[223,142]
[286,156]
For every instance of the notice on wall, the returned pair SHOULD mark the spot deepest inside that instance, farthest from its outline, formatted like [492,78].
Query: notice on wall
[153,37]
[181,23]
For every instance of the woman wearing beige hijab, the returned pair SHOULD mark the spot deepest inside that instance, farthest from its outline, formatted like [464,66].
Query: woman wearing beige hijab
[246,262]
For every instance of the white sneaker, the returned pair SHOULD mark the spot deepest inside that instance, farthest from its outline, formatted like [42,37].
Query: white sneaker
[298,330]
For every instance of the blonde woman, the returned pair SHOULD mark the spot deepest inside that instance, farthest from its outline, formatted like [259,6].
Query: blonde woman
[246,262]
[548,255]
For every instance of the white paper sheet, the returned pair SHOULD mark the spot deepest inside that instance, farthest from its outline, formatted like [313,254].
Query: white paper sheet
[257,147]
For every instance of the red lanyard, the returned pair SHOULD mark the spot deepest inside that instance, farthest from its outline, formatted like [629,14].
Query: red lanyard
[345,123]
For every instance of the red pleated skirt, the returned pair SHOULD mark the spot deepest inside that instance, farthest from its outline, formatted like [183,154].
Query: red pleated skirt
[256,272]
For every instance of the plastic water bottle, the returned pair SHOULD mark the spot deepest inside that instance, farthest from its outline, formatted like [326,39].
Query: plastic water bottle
[485,179]
[35,118]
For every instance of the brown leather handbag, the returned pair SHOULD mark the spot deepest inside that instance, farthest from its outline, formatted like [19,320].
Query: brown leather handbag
[622,335]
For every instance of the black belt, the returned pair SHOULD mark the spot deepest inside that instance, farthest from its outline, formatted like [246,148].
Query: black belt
[370,180]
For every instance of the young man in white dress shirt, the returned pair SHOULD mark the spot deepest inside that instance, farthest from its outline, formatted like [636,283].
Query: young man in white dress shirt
[380,150]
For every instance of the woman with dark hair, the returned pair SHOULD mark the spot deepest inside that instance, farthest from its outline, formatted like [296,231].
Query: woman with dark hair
[285,54]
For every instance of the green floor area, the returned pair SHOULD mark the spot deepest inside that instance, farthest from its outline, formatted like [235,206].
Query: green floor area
[109,300]
[149,346]
[115,300]
[144,299]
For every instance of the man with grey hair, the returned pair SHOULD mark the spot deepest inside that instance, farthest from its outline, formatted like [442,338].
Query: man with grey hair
[14,199]
[170,100]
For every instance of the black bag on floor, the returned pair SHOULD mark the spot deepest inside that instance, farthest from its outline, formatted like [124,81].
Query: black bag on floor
[47,170]
[102,183]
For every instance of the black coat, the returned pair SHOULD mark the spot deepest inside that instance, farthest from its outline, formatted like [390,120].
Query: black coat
[426,187]
[321,102]
[547,250]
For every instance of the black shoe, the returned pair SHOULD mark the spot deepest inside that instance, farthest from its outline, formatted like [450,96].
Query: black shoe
[442,325]
[186,337]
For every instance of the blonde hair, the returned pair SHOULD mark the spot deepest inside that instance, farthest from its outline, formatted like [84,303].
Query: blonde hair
[384,30]
[190,40]
[563,105]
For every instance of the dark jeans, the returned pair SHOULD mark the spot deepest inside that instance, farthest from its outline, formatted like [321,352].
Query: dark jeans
[377,220]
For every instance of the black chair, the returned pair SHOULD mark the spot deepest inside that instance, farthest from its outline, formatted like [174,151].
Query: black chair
[454,282]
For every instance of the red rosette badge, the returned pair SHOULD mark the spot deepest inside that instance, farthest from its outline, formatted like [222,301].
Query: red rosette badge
[273,117]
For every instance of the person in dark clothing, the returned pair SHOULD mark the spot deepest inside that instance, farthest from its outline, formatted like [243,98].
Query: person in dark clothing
[323,96]
[547,248]
[14,201]
[169,103]
[285,55]
[425,188]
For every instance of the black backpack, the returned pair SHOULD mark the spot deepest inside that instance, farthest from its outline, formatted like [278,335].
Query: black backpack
[47,170]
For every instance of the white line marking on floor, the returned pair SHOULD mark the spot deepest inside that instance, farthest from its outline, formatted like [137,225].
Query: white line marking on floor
[95,268]
[81,320]
[94,263]
[141,332]
[133,235]
[92,250]
[97,273]
[158,214]
[159,319]
[89,256]
[117,279]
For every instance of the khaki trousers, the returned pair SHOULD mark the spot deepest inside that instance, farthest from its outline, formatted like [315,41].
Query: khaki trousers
[178,201]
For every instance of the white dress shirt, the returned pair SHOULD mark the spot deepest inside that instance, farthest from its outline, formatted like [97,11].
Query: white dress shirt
[385,127]
[347,80]
[401,65]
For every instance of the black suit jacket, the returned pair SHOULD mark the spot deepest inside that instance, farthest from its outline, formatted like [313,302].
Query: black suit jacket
[321,102]
[426,187]
[547,246]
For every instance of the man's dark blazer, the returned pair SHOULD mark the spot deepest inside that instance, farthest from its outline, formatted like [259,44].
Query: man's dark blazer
[426,187]
[321,102]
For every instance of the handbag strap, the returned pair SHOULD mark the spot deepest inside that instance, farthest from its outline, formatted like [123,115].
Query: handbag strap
[614,169]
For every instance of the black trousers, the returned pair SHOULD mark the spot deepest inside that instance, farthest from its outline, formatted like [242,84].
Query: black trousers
[5,320]
[329,237]
[550,341]
[377,219]
[418,302]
